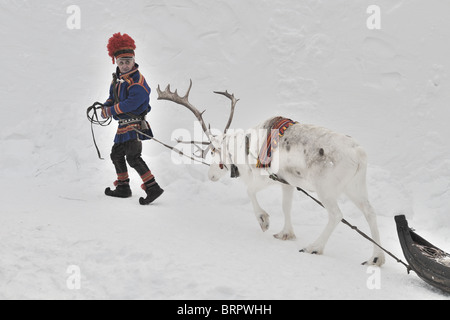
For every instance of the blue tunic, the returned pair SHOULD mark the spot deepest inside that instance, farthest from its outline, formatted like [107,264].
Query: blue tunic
[134,97]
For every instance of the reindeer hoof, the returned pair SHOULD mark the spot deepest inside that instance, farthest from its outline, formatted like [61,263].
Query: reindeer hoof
[311,250]
[304,251]
[374,261]
[264,222]
[285,236]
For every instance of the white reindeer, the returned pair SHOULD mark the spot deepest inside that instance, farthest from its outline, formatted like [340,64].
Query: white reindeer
[309,157]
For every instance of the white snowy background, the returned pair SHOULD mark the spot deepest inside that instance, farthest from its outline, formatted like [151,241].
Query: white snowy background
[313,61]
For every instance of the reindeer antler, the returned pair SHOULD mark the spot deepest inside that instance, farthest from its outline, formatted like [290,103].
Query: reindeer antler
[184,101]
[167,94]
[233,105]
[200,152]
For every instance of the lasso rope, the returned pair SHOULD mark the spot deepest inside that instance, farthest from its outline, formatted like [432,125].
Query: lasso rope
[94,119]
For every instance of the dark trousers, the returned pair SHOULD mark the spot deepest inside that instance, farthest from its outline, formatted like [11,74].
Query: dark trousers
[128,152]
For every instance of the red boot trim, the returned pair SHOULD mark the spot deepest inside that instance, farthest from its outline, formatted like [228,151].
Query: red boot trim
[147,176]
[122,176]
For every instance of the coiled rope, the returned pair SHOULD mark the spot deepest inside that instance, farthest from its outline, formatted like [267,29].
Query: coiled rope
[95,119]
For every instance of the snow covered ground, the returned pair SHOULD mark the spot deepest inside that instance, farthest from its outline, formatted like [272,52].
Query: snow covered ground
[313,61]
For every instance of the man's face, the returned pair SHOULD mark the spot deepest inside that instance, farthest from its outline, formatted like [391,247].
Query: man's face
[125,64]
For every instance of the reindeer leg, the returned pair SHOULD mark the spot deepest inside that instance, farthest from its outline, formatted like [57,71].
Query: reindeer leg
[378,257]
[363,204]
[287,233]
[334,217]
[261,215]
[357,193]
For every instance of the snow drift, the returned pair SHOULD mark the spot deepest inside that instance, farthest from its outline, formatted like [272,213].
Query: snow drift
[312,61]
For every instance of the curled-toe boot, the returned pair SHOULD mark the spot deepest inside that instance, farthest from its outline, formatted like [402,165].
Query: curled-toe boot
[122,190]
[153,191]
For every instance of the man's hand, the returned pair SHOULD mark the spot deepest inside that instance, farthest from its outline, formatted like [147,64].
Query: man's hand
[106,112]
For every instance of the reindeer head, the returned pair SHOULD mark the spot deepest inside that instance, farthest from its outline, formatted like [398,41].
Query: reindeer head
[218,167]
[215,143]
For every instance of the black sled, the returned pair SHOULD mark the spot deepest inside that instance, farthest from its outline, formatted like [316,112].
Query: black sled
[429,262]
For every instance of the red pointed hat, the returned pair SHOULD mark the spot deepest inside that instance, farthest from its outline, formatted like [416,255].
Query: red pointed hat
[120,46]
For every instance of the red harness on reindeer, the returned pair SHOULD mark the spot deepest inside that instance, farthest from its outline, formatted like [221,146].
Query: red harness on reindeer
[276,130]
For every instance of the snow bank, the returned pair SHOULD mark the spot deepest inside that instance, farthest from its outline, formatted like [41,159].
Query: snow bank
[313,61]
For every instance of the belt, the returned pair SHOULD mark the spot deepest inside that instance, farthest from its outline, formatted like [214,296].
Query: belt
[129,121]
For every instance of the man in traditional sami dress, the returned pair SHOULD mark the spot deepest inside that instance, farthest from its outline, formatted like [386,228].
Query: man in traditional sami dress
[128,103]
